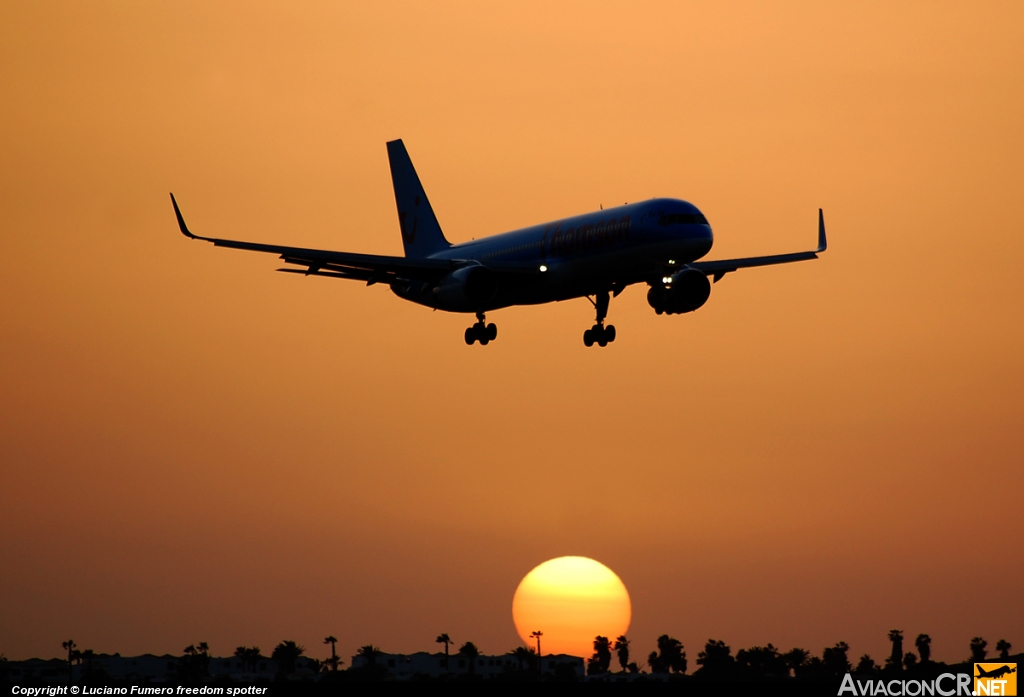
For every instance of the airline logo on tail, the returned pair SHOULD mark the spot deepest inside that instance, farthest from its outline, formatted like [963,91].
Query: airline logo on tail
[995,679]
[408,234]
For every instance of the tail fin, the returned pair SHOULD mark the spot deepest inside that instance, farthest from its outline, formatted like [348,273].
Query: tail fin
[421,233]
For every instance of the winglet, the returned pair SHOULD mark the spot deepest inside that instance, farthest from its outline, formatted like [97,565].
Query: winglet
[822,242]
[181,221]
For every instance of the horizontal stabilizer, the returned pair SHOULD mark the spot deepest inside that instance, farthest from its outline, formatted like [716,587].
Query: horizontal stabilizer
[341,264]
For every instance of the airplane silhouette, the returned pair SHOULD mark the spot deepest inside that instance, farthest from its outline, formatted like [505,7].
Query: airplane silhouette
[997,673]
[657,242]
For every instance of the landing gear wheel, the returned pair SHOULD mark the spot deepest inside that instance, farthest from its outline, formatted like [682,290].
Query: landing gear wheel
[600,334]
[484,333]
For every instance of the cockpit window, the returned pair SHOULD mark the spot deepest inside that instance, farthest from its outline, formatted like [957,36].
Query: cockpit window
[683,219]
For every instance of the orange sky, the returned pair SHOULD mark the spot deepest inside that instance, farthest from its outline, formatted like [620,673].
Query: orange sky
[195,448]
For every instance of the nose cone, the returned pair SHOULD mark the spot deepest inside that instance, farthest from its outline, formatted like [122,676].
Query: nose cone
[705,232]
[703,239]
[699,235]
[686,227]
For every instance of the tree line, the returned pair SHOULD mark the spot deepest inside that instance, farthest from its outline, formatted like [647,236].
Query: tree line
[716,661]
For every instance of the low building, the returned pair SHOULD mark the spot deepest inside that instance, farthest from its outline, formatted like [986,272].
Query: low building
[239,670]
[149,668]
[405,666]
[144,668]
[44,670]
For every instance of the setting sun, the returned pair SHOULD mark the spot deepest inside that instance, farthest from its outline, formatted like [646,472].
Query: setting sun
[571,600]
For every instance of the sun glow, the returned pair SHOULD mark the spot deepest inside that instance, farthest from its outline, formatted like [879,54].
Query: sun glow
[571,600]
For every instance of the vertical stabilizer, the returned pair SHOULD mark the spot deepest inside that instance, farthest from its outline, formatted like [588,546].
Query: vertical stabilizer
[421,233]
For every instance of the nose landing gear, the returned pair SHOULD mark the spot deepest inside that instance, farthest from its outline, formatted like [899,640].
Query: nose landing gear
[484,333]
[600,334]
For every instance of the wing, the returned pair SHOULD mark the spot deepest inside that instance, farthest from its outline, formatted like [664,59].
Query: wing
[371,268]
[720,268]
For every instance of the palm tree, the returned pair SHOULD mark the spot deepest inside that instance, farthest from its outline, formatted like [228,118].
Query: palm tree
[1003,647]
[196,662]
[896,657]
[523,654]
[759,662]
[537,635]
[333,661]
[70,646]
[470,651]
[286,653]
[835,659]
[87,656]
[978,650]
[923,642]
[186,667]
[622,649]
[444,639]
[369,654]
[602,657]
[249,656]
[795,659]
[540,664]
[866,665]
[716,660]
[671,654]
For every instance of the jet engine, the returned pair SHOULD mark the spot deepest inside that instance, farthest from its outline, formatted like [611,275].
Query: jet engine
[467,289]
[682,292]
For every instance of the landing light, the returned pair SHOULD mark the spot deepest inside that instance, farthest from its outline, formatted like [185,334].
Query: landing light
[671,262]
[543,268]
[667,280]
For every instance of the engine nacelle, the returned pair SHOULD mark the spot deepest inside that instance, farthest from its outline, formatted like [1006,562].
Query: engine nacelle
[683,292]
[467,289]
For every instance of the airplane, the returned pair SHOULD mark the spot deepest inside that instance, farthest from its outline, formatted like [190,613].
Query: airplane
[995,672]
[596,255]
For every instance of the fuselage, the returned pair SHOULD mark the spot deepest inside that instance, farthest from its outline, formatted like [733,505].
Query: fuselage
[582,255]
[659,242]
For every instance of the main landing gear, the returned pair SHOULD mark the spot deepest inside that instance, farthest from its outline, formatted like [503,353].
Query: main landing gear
[485,334]
[600,334]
